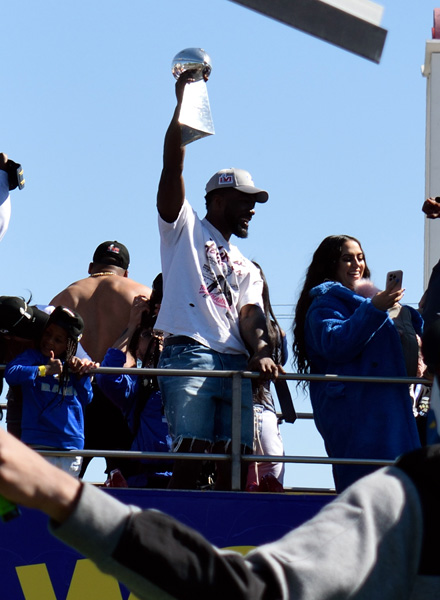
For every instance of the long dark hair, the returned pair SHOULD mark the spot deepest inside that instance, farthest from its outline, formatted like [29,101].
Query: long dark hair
[323,267]
[273,327]
[275,334]
[147,384]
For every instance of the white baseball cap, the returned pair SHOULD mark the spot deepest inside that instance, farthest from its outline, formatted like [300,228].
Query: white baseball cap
[239,180]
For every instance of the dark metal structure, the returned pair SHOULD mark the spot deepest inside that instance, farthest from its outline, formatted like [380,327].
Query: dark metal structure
[326,22]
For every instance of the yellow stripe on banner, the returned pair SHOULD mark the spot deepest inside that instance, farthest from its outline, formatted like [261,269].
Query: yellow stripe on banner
[35,582]
[89,583]
[240,549]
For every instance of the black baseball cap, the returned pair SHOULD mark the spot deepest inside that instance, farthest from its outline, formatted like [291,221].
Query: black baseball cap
[69,320]
[112,253]
[19,319]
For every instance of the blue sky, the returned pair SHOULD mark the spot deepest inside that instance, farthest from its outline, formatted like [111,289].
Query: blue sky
[338,142]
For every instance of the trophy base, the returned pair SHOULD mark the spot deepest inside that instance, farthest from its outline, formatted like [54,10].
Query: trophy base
[189,134]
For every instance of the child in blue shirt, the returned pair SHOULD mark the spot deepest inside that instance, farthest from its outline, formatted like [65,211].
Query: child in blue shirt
[55,389]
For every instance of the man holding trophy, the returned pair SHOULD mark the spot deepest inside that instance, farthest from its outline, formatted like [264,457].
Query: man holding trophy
[211,312]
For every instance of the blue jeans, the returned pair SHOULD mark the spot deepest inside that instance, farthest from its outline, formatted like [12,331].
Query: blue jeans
[200,408]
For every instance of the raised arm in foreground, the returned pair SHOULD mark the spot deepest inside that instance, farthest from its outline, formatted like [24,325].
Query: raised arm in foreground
[371,535]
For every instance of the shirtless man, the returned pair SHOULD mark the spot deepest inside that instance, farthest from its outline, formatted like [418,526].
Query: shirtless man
[104,298]
[104,301]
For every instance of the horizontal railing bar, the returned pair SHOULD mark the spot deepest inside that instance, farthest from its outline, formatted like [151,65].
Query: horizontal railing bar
[165,456]
[355,378]
[135,455]
[252,375]
[299,415]
[321,460]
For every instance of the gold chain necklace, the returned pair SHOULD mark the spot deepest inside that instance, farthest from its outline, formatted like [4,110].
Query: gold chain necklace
[102,274]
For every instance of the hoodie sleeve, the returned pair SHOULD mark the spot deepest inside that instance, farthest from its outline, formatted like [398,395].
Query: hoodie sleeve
[120,389]
[337,336]
[83,388]
[22,369]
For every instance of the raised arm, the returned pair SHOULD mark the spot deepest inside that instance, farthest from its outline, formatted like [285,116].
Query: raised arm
[431,208]
[171,192]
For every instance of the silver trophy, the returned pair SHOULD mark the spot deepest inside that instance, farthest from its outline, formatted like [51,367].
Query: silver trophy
[195,113]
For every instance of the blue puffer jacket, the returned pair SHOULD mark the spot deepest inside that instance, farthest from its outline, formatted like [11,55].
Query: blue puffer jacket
[346,335]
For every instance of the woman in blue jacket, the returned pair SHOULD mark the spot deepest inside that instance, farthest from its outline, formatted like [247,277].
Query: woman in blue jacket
[337,330]
[138,397]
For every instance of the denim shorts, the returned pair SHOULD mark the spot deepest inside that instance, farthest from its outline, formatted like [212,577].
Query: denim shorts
[201,407]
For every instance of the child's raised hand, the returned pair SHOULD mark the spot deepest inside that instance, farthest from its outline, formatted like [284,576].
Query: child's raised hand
[82,366]
[54,365]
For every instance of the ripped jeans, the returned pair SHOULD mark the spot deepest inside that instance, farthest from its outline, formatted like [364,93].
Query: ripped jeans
[201,407]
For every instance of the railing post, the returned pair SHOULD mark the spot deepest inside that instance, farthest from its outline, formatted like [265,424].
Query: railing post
[236,433]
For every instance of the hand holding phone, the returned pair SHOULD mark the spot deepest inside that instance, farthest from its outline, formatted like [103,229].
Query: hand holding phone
[393,291]
[394,280]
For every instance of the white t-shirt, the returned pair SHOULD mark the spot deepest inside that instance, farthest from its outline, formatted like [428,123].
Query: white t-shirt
[206,281]
[5,203]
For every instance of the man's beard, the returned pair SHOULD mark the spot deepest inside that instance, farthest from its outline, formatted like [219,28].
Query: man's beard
[238,230]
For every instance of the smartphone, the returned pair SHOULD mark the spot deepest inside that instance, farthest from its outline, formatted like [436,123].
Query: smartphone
[394,280]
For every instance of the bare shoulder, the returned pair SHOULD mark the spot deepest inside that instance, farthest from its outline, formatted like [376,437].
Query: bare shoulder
[128,287]
[72,295]
[86,292]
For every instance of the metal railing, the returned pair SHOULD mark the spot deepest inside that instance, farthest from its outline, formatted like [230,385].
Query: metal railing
[235,456]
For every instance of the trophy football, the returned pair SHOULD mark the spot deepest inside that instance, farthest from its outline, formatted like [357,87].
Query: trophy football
[195,113]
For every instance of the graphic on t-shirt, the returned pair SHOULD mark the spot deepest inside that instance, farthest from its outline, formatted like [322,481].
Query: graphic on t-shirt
[219,276]
[55,389]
